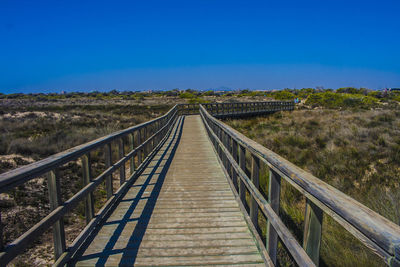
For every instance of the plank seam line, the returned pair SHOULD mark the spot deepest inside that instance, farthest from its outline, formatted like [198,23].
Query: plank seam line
[201,255]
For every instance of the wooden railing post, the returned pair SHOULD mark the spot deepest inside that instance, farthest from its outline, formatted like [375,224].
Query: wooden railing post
[219,147]
[121,154]
[87,176]
[312,231]
[108,160]
[138,142]
[145,148]
[236,158]
[242,164]
[131,147]
[53,185]
[274,199]
[225,142]
[255,177]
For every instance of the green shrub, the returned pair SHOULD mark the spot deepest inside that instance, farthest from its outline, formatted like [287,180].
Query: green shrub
[187,95]
[284,95]
[352,90]
[335,100]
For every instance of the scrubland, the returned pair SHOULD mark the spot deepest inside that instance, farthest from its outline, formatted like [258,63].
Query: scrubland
[355,150]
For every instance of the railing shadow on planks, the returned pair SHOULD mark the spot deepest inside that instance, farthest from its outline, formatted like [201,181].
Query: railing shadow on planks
[373,230]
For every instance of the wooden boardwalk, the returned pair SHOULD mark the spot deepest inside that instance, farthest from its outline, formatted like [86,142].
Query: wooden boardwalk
[180,211]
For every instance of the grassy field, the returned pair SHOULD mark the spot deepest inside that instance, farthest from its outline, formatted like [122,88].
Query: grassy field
[356,151]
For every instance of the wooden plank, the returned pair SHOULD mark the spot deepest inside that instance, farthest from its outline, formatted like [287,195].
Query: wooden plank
[53,185]
[274,189]
[236,157]
[86,179]
[121,154]
[140,152]
[242,164]
[312,231]
[255,178]
[108,161]
[131,147]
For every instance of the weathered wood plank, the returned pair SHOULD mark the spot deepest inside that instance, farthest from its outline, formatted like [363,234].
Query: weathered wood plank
[242,164]
[108,161]
[274,189]
[255,178]
[121,154]
[53,184]
[87,176]
[312,231]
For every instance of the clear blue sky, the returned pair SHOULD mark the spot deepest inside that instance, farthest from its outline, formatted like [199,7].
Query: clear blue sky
[128,45]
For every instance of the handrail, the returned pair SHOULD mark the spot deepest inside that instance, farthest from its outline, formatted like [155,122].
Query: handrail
[221,110]
[373,230]
[20,175]
[149,136]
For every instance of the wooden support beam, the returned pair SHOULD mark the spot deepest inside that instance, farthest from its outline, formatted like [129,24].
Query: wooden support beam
[312,231]
[53,185]
[274,200]
[145,148]
[236,157]
[138,141]
[108,160]
[121,154]
[86,179]
[242,164]
[255,178]
[131,147]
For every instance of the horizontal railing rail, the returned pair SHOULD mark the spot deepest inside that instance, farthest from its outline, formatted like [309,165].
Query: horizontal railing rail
[223,110]
[373,230]
[188,109]
[147,137]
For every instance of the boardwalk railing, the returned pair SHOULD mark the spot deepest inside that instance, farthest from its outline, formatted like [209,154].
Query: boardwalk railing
[142,141]
[374,231]
[223,110]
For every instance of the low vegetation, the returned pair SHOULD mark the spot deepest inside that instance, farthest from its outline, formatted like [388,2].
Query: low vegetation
[356,151]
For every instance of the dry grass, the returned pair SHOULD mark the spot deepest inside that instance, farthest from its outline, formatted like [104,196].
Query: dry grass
[357,152]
